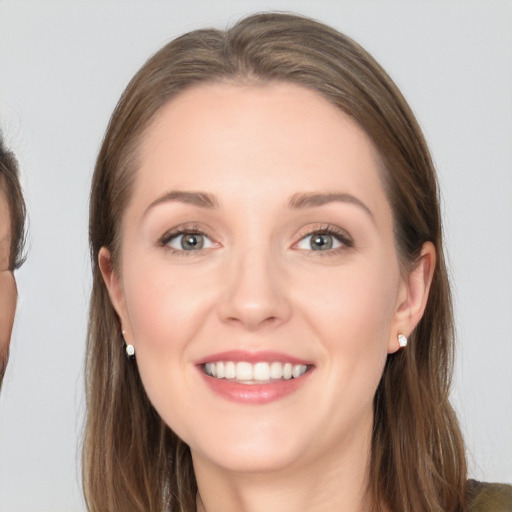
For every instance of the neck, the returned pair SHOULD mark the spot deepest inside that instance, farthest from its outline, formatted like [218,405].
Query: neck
[335,481]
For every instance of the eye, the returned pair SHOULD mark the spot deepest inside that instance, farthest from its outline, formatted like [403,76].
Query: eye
[188,241]
[319,242]
[324,240]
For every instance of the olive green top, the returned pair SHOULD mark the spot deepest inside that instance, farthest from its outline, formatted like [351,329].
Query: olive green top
[484,497]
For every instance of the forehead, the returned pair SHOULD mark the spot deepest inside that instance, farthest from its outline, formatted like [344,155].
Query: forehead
[277,137]
[264,112]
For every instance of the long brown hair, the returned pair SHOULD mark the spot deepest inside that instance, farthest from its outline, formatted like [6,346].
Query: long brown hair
[131,459]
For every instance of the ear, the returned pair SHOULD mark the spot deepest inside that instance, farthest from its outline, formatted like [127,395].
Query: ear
[114,287]
[413,296]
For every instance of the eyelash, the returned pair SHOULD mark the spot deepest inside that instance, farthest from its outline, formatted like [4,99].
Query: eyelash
[183,230]
[338,234]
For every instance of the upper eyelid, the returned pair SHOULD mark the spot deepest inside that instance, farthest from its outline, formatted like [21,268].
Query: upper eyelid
[183,229]
[324,228]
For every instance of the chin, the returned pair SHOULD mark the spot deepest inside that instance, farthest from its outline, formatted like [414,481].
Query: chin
[240,458]
[262,448]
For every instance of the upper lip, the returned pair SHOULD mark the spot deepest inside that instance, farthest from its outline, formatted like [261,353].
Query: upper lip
[252,357]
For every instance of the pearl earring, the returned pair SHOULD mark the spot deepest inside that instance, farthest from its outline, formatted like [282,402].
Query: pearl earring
[130,352]
[402,340]
[129,349]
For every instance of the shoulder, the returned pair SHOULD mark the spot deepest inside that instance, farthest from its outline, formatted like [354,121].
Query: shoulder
[485,497]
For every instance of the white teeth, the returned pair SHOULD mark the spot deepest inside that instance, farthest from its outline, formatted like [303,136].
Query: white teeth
[261,372]
[243,371]
[298,370]
[210,369]
[276,371]
[229,370]
[220,373]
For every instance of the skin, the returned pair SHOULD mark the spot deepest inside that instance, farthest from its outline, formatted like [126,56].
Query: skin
[8,293]
[259,285]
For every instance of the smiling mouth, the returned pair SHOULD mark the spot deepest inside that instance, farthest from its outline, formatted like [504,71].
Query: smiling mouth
[254,373]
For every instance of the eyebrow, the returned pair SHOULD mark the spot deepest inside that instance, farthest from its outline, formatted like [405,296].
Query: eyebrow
[299,201]
[200,199]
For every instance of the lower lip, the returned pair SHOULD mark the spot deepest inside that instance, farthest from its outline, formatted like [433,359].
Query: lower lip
[254,393]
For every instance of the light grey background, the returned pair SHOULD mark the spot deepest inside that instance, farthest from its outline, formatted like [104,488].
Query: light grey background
[63,66]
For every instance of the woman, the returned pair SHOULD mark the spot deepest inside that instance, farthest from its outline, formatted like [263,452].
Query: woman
[12,221]
[270,323]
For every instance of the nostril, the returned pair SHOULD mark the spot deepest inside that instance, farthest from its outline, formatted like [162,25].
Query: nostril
[253,317]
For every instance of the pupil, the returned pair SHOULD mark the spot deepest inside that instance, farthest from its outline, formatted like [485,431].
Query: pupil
[190,241]
[321,242]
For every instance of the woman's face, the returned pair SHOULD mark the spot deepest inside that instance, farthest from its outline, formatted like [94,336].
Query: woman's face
[258,242]
[7,284]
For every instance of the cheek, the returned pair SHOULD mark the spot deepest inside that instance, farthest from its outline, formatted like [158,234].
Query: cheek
[351,312]
[167,308]
[166,305]
[352,302]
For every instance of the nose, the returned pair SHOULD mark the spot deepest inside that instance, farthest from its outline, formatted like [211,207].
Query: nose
[254,293]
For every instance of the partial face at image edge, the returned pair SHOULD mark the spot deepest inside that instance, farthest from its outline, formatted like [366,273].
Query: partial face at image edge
[8,293]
